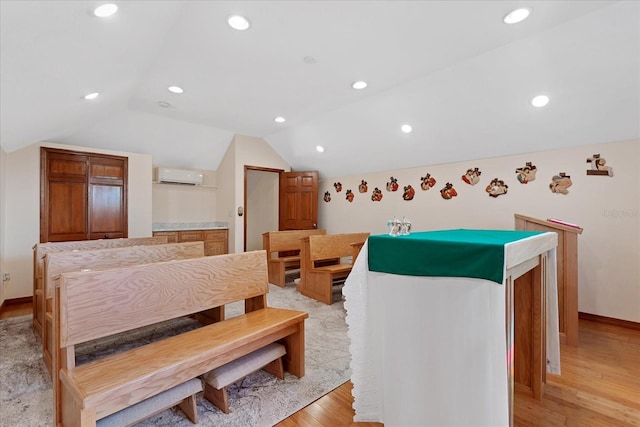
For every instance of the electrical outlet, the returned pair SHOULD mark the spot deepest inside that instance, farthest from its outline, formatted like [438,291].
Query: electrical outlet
[6,277]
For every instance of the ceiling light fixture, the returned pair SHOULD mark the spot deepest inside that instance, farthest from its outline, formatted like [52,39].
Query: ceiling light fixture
[540,101]
[516,16]
[279,119]
[105,10]
[91,96]
[406,128]
[175,89]
[319,148]
[238,22]
[359,85]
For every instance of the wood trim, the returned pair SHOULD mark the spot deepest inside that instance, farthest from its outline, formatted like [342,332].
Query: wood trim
[248,168]
[609,321]
[15,301]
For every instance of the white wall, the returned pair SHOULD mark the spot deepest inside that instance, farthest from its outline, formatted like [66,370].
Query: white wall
[3,168]
[183,203]
[22,208]
[608,208]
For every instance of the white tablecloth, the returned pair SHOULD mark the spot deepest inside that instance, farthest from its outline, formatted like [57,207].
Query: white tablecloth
[431,351]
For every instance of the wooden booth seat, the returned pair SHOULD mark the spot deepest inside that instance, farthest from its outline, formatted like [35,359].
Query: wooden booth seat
[322,262]
[283,252]
[96,304]
[40,250]
[102,259]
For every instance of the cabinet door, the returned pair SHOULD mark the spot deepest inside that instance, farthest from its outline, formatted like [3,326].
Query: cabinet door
[215,242]
[107,198]
[63,197]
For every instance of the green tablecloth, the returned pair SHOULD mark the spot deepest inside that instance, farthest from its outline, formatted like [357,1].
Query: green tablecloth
[445,253]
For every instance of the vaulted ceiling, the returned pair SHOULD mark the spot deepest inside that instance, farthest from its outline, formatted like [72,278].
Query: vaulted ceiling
[453,70]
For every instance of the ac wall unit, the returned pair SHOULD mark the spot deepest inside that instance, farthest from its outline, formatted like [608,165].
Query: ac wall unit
[178,176]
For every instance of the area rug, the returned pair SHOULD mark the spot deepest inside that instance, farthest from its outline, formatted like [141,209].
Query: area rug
[26,397]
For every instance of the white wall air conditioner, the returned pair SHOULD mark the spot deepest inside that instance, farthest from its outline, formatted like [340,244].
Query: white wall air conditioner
[178,176]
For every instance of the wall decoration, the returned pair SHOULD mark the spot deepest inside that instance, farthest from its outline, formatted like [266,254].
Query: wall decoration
[337,186]
[472,177]
[448,192]
[409,193]
[427,181]
[496,188]
[363,186]
[392,185]
[350,196]
[527,173]
[598,166]
[560,183]
[327,196]
[376,195]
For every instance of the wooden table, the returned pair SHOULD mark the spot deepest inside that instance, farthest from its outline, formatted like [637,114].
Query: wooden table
[438,350]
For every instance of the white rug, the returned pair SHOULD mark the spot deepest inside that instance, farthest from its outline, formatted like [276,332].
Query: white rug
[26,397]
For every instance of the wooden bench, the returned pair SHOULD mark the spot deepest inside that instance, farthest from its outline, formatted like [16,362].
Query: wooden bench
[97,304]
[42,249]
[102,259]
[287,242]
[321,262]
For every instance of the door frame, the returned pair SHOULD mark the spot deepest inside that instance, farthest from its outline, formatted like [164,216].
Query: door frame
[247,169]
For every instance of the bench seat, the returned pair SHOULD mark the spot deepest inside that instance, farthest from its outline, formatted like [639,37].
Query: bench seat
[109,383]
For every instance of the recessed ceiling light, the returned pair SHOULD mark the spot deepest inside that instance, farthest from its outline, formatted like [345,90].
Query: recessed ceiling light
[93,95]
[406,128]
[319,148]
[105,10]
[540,101]
[175,89]
[359,84]
[279,119]
[238,22]
[164,104]
[516,16]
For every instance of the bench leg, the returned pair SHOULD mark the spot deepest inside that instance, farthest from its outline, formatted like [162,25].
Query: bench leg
[190,408]
[217,397]
[73,415]
[275,368]
[294,359]
[277,274]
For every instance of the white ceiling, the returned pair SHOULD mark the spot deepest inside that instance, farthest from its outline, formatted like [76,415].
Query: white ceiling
[452,69]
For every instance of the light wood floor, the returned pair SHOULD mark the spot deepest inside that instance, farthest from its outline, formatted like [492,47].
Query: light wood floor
[599,385]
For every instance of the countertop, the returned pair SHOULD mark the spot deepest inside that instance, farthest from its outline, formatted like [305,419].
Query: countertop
[181,226]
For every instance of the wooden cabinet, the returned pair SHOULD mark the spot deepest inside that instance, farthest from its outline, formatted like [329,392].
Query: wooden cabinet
[83,196]
[567,263]
[215,241]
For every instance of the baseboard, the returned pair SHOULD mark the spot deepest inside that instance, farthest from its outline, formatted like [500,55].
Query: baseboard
[15,301]
[609,321]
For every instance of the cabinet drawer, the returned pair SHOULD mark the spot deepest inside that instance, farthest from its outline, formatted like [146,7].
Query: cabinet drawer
[172,236]
[217,235]
[190,236]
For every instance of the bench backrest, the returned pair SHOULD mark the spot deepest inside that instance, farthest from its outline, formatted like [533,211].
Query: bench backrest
[41,249]
[288,240]
[147,294]
[103,259]
[333,246]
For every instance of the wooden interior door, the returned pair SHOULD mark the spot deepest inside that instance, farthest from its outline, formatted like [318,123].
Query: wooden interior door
[82,196]
[63,196]
[107,198]
[298,200]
